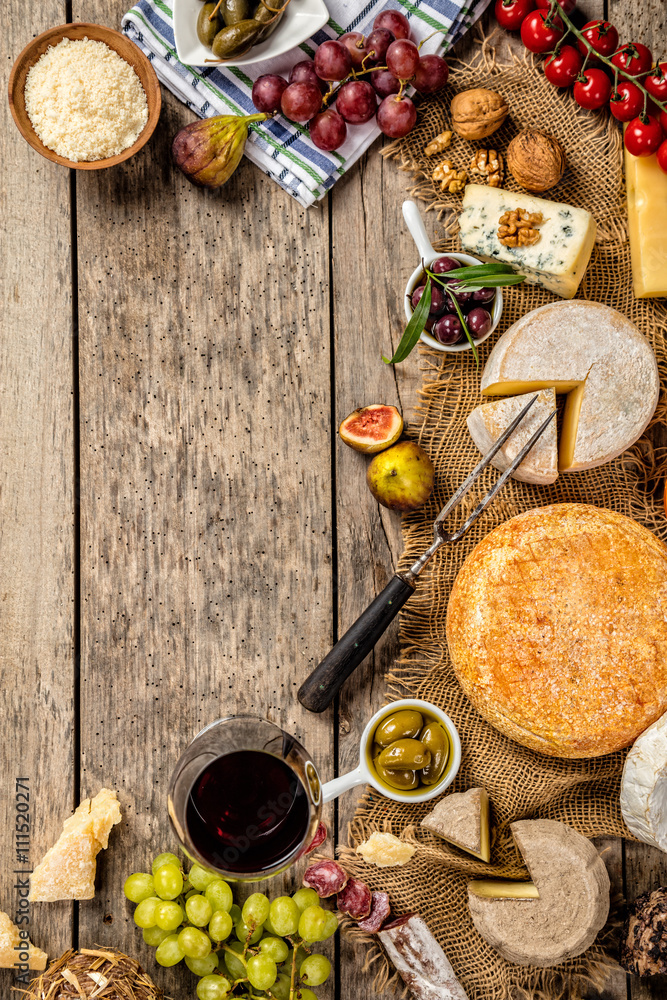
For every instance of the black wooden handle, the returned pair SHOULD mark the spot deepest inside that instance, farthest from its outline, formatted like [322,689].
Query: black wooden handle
[319,690]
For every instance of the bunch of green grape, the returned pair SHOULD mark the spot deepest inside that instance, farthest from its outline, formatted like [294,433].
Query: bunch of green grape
[260,950]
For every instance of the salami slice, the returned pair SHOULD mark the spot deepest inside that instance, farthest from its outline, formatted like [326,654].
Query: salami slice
[355,900]
[420,961]
[326,878]
[319,838]
[380,910]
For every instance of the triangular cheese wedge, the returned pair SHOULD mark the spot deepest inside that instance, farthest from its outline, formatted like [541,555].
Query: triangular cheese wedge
[487,422]
[67,870]
[462,818]
[595,355]
[13,946]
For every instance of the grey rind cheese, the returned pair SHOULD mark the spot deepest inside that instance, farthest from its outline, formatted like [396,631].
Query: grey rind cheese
[487,422]
[462,818]
[599,358]
[573,906]
[420,961]
[559,258]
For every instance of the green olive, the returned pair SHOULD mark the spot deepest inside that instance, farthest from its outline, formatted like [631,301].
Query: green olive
[236,39]
[233,11]
[405,755]
[399,726]
[206,29]
[435,739]
[403,780]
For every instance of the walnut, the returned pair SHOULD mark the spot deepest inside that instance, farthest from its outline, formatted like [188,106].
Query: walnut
[536,160]
[438,144]
[487,164]
[644,939]
[477,113]
[453,180]
[519,228]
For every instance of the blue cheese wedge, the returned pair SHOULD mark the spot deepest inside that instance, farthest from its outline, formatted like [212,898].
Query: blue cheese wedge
[561,255]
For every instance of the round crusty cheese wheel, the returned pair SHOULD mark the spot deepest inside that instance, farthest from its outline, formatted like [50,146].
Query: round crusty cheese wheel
[557,629]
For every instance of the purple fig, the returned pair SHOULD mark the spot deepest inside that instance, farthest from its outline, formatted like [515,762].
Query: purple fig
[209,151]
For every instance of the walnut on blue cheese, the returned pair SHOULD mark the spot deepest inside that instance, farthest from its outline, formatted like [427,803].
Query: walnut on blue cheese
[560,257]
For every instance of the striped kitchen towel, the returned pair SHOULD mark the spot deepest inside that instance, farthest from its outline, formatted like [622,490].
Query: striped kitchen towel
[281,148]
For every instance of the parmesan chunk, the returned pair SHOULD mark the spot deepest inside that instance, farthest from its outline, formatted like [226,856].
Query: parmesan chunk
[67,870]
[385,850]
[13,946]
[84,101]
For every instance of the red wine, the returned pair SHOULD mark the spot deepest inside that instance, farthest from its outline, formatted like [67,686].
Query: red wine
[247,812]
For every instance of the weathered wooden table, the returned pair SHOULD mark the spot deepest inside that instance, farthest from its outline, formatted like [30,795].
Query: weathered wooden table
[181,533]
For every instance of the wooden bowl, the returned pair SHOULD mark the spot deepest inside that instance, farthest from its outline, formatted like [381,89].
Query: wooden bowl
[126,49]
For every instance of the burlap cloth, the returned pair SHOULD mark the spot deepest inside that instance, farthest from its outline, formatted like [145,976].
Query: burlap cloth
[520,783]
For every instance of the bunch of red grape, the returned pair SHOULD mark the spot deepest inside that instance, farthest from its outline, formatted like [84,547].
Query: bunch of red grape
[387,56]
[602,71]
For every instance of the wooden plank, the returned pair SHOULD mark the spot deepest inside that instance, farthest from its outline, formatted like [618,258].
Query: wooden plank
[645,867]
[36,497]
[206,489]
[373,257]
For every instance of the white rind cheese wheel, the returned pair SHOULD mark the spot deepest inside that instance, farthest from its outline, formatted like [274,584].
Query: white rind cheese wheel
[487,422]
[644,786]
[599,358]
[573,904]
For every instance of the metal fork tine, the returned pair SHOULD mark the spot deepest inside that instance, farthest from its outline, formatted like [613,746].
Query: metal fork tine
[495,489]
[479,468]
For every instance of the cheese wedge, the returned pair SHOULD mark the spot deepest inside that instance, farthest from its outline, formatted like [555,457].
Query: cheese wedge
[496,889]
[13,947]
[599,358]
[560,257]
[462,818]
[647,222]
[644,786]
[67,870]
[486,423]
[572,906]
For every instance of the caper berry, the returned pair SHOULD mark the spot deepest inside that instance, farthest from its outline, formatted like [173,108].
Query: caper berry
[207,29]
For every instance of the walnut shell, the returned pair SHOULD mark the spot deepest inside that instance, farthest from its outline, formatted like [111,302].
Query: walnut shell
[536,160]
[477,113]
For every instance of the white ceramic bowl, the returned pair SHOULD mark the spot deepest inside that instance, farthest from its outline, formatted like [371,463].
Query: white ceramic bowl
[428,254]
[364,775]
[302,19]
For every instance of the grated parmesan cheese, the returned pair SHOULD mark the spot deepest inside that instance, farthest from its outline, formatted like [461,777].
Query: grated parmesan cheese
[84,101]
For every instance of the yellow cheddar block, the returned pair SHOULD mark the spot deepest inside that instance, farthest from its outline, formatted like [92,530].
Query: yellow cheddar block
[647,218]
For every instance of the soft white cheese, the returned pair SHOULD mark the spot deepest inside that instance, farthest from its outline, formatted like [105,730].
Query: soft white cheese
[644,786]
[487,422]
[560,257]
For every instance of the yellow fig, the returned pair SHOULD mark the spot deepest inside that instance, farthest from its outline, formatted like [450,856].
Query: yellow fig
[402,477]
[209,151]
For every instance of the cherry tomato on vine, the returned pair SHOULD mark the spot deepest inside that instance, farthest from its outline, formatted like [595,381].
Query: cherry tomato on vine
[593,91]
[643,137]
[601,36]
[562,68]
[662,156]
[627,102]
[634,58]
[567,5]
[656,82]
[537,35]
[510,13]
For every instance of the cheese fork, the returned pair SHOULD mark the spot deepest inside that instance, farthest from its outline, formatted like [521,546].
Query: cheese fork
[320,688]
